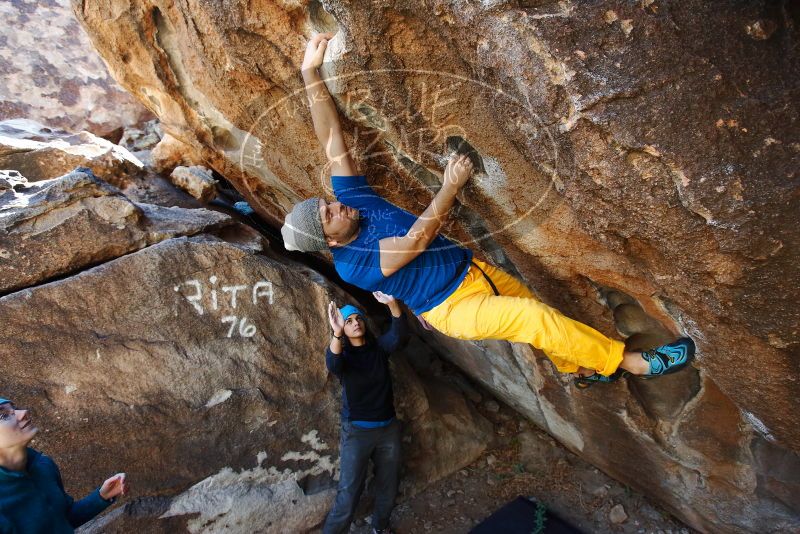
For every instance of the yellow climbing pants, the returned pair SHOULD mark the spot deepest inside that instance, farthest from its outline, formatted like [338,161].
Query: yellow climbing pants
[473,311]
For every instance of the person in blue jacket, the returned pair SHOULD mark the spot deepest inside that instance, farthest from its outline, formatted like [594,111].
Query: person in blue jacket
[32,496]
[369,427]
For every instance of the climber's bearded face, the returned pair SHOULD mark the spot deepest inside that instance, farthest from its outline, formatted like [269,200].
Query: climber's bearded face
[339,222]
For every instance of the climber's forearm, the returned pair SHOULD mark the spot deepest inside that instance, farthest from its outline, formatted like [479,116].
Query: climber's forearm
[397,252]
[327,125]
[323,110]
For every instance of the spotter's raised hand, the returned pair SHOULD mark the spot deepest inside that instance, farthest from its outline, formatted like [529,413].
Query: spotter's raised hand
[114,486]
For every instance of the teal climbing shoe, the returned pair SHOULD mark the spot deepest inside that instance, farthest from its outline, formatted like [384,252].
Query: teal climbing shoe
[583,382]
[669,358]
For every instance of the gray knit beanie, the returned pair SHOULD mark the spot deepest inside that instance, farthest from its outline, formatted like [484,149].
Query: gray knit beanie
[303,227]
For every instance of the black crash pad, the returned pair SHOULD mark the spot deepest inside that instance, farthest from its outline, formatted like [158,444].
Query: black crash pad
[524,516]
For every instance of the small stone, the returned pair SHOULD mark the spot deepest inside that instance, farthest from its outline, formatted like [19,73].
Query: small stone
[490,460]
[450,493]
[197,181]
[463,473]
[610,16]
[761,30]
[171,152]
[140,139]
[617,514]
[626,26]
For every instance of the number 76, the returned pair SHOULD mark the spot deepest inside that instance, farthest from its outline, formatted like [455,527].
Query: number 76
[245,330]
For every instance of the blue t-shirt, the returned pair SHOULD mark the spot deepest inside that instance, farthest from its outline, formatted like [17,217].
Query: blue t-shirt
[423,283]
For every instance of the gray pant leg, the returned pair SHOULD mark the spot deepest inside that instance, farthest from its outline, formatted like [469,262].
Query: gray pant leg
[386,458]
[354,453]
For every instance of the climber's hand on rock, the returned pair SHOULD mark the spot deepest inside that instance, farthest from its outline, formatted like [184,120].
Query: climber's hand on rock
[336,319]
[457,172]
[315,51]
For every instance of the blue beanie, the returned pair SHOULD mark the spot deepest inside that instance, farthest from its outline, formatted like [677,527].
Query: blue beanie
[348,310]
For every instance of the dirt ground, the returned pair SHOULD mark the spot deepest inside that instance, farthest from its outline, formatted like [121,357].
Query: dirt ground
[546,471]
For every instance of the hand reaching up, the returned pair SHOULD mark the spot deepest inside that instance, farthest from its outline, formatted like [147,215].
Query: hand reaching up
[315,51]
[390,301]
[114,486]
[383,298]
[336,319]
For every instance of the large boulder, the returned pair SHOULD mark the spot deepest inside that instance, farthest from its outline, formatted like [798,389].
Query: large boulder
[197,366]
[40,152]
[638,147]
[682,437]
[52,74]
[168,342]
[55,227]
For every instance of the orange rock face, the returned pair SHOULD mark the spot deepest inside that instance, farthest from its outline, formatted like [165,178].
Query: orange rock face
[634,148]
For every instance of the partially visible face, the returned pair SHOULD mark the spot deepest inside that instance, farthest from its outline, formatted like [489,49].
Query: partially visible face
[16,426]
[339,222]
[354,326]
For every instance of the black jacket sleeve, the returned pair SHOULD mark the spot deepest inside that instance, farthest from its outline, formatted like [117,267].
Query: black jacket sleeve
[335,362]
[84,510]
[396,336]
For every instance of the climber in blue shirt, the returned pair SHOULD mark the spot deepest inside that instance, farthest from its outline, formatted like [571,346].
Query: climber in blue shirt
[369,428]
[32,496]
[380,247]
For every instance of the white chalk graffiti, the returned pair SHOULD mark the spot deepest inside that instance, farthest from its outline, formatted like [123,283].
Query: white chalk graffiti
[229,297]
[245,330]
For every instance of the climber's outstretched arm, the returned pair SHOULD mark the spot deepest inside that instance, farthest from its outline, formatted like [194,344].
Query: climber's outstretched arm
[397,252]
[323,110]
